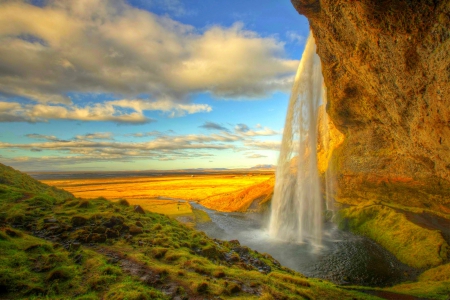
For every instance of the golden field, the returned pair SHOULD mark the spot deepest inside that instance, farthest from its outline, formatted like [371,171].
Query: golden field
[225,192]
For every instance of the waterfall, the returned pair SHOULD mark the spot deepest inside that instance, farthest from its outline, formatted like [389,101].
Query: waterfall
[297,202]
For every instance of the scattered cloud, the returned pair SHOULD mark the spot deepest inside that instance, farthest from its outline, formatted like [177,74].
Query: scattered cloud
[264,145]
[145,134]
[118,111]
[37,136]
[95,136]
[241,128]
[213,126]
[102,147]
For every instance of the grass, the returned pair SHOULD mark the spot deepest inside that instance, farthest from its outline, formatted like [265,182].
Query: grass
[32,267]
[164,260]
[432,284]
[242,200]
[411,244]
[183,187]
[167,207]
[228,192]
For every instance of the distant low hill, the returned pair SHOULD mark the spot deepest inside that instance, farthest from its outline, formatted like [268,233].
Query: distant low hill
[264,167]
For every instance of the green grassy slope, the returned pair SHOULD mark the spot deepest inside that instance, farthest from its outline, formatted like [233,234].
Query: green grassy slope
[54,246]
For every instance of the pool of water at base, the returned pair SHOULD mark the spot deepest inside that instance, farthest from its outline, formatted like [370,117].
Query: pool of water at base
[344,258]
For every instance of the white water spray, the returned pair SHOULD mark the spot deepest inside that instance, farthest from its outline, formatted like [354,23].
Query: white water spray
[297,203]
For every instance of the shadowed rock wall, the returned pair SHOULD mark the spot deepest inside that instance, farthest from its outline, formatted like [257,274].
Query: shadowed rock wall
[386,66]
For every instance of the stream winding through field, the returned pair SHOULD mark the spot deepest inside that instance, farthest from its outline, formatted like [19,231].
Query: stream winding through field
[344,258]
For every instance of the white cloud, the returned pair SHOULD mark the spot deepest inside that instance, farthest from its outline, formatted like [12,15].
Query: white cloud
[295,37]
[213,126]
[244,130]
[95,136]
[256,156]
[114,111]
[264,145]
[107,46]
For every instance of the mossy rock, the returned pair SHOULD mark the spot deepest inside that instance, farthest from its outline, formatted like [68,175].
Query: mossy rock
[413,245]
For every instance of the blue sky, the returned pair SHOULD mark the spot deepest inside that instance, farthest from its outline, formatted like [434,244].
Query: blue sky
[145,84]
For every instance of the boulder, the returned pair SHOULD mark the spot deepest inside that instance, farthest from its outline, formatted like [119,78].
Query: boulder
[138,209]
[135,230]
[78,221]
[50,220]
[113,221]
[96,238]
[112,233]
[99,229]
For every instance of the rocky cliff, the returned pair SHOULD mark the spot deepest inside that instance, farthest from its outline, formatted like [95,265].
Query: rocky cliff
[386,65]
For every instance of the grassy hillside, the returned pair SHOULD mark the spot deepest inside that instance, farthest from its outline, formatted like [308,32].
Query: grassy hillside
[58,247]
[55,246]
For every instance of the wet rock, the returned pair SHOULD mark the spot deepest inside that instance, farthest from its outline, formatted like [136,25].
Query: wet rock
[112,233]
[234,288]
[55,229]
[50,220]
[232,257]
[124,228]
[75,246]
[138,209]
[96,238]
[113,221]
[124,202]
[234,243]
[202,287]
[99,229]
[84,204]
[78,221]
[12,233]
[78,259]
[242,250]
[134,230]
[211,252]
[57,275]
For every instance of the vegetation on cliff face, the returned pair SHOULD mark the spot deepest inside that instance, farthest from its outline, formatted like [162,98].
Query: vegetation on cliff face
[58,247]
[412,244]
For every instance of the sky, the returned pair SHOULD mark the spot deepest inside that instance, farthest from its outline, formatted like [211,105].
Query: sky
[103,85]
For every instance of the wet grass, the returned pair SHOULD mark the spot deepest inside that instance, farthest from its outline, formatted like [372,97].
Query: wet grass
[413,245]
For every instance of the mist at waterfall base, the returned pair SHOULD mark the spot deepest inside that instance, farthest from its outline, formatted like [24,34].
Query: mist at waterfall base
[344,258]
[297,235]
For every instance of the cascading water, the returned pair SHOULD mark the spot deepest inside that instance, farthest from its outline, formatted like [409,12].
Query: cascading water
[297,203]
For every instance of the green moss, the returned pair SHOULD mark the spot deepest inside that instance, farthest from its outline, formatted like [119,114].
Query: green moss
[441,273]
[411,244]
[165,254]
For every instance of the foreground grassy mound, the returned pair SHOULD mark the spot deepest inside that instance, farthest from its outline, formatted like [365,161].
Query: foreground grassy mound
[414,245]
[64,248]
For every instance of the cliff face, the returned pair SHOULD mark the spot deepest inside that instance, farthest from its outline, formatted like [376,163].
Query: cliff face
[386,66]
